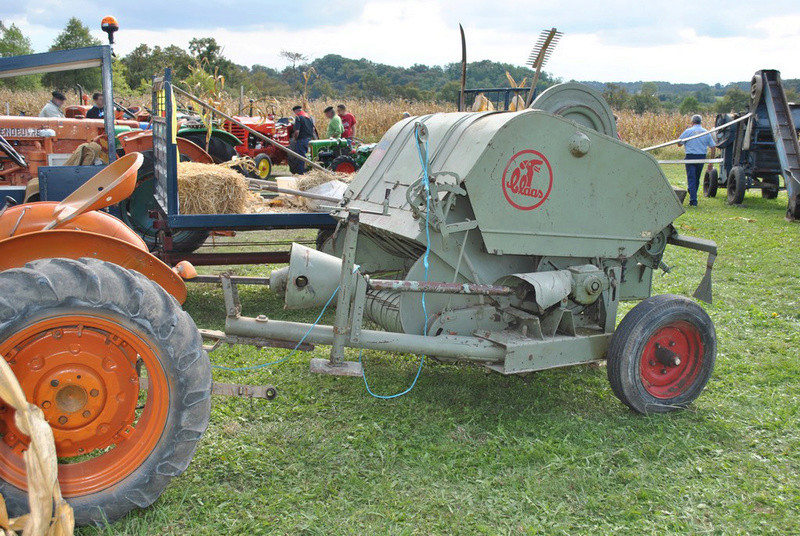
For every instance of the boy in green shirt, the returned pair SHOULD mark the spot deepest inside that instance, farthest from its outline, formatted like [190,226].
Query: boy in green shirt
[335,126]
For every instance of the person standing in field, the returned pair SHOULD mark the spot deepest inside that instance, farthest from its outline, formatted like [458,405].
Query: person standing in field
[302,133]
[53,108]
[696,150]
[335,126]
[348,121]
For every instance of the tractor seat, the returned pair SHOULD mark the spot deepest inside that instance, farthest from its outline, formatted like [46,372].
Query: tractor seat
[110,186]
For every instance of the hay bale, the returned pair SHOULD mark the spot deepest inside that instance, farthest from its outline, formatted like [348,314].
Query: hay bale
[211,189]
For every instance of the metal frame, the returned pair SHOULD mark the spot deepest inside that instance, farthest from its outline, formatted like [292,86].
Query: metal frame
[170,218]
[69,60]
[495,94]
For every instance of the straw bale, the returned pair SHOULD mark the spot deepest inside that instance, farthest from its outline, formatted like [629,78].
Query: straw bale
[211,189]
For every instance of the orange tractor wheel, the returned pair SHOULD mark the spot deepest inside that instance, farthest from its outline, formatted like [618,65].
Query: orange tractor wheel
[118,370]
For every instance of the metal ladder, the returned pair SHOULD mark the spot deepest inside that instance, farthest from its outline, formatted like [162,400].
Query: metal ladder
[785,135]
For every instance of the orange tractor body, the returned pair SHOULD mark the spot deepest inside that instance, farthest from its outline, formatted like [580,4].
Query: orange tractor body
[45,141]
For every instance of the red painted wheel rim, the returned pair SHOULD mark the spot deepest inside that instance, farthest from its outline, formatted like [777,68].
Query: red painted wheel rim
[82,369]
[671,360]
[345,167]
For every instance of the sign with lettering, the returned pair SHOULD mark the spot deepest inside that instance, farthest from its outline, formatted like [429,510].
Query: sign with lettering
[527,180]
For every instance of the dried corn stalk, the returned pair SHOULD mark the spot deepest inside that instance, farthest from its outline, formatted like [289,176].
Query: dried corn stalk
[50,514]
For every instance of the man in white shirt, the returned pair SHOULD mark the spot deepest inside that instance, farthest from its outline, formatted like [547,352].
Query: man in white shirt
[53,108]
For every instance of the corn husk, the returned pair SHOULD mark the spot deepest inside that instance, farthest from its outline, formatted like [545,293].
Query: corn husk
[211,189]
[50,514]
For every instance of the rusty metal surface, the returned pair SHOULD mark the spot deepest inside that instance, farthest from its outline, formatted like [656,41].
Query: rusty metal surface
[268,392]
[214,259]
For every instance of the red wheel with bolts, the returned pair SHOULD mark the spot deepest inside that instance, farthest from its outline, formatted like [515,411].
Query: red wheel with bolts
[344,164]
[662,354]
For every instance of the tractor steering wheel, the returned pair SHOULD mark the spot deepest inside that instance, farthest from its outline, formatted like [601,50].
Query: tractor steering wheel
[12,153]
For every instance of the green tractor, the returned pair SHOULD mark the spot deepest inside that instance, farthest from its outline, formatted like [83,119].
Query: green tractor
[340,155]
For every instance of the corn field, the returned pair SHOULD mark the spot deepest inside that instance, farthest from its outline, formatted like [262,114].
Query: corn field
[374,117]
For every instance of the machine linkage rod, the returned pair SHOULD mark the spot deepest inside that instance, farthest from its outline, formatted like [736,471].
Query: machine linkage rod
[438,287]
[455,346]
[678,140]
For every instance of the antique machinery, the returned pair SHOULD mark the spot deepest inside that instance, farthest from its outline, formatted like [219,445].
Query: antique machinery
[506,240]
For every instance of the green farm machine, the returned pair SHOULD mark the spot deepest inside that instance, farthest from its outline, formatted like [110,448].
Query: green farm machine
[507,240]
[340,155]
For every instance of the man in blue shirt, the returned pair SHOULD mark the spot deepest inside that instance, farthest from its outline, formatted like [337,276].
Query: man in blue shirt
[696,150]
[302,133]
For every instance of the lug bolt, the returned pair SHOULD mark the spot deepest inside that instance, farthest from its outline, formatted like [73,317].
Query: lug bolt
[46,404]
[658,345]
[86,414]
[94,392]
[672,343]
[663,371]
[54,383]
[62,420]
[652,363]
[676,361]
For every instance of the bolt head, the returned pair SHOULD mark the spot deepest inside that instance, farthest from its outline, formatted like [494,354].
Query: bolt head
[54,383]
[94,392]
[86,414]
[62,420]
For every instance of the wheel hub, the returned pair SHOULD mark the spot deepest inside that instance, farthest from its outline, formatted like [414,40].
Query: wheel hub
[85,382]
[671,360]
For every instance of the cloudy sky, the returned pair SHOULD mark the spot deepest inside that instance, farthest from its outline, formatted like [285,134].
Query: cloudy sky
[606,40]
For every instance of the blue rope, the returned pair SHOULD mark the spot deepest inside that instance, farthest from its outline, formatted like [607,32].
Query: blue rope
[281,360]
[423,159]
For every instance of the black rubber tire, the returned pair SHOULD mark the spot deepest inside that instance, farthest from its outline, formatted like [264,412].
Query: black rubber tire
[775,182]
[182,241]
[737,185]
[53,286]
[219,150]
[628,343]
[710,183]
[344,161]
[323,235]
[263,157]
[793,209]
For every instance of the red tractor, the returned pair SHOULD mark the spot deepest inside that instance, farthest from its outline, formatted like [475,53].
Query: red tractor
[264,154]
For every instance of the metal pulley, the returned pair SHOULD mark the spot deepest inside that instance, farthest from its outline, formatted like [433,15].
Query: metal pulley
[578,103]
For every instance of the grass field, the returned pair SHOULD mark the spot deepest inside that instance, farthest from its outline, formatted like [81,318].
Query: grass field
[555,453]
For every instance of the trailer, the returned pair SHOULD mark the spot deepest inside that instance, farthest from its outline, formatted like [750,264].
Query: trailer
[758,151]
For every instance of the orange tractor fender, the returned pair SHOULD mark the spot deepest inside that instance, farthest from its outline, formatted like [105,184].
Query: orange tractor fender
[20,249]
[32,217]
[138,141]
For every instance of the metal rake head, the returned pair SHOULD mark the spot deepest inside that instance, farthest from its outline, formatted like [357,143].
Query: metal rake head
[543,48]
